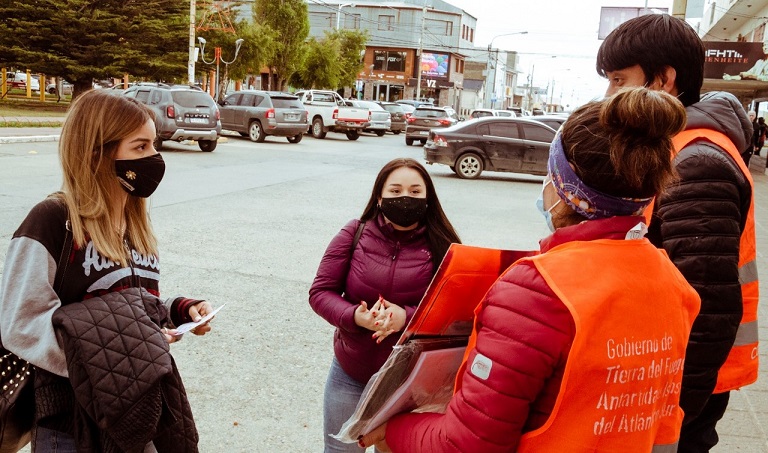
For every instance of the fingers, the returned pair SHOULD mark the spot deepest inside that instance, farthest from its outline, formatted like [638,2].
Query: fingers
[170,335]
[197,311]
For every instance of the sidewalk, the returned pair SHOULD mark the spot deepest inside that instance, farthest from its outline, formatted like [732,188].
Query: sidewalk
[48,129]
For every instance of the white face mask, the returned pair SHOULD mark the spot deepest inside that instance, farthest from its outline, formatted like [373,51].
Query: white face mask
[547,213]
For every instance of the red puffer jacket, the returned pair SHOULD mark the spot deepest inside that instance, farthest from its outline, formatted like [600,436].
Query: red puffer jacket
[526,331]
[394,264]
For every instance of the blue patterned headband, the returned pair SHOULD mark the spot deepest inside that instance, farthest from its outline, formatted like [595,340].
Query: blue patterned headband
[585,200]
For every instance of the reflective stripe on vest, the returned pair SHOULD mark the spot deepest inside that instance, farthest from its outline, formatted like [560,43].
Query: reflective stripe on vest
[741,366]
[632,311]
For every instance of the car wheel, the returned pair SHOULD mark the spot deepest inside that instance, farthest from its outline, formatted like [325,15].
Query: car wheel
[243,134]
[158,143]
[423,141]
[317,128]
[396,132]
[296,138]
[469,166]
[207,145]
[256,133]
[409,141]
[380,133]
[353,135]
[52,90]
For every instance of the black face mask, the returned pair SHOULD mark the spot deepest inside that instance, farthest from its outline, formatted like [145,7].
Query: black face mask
[404,211]
[140,177]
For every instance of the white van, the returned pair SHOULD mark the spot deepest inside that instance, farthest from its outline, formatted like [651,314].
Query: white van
[19,80]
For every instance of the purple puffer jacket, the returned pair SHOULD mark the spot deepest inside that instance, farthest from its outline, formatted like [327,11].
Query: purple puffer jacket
[396,265]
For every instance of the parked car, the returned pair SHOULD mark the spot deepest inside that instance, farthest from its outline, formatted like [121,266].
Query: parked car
[181,113]
[480,113]
[425,118]
[257,114]
[519,111]
[66,88]
[19,80]
[398,115]
[328,112]
[415,103]
[519,145]
[379,119]
[554,121]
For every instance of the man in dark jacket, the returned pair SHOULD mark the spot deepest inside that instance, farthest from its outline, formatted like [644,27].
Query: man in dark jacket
[700,219]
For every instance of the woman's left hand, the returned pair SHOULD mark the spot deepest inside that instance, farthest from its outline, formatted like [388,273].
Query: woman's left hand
[394,321]
[376,437]
[197,312]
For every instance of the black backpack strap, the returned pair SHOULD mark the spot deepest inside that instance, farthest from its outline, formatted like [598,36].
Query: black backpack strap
[358,233]
[61,265]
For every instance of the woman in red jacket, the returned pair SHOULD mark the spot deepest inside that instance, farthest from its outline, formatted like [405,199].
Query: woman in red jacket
[371,278]
[579,348]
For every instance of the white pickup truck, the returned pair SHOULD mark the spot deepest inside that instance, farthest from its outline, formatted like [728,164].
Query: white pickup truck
[328,112]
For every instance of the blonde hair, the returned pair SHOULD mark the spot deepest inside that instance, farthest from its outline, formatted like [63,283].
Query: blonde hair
[96,123]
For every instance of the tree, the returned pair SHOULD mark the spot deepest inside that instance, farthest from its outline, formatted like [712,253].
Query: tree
[351,45]
[85,39]
[333,62]
[290,21]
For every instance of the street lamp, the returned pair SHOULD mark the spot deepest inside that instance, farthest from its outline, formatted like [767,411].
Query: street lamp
[490,102]
[338,13]
[217,59]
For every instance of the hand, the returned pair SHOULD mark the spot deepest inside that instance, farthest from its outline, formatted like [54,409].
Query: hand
[170,335]
[196,312]
[368,319]
[394,321]
[376,437]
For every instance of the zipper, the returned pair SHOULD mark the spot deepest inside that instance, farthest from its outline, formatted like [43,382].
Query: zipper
[392,268]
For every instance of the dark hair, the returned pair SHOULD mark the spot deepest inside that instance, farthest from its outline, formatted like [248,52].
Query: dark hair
[440,232]
[655,41]
[622,145]
[761,120]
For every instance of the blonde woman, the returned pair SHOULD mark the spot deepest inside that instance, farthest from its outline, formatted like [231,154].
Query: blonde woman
[109,169]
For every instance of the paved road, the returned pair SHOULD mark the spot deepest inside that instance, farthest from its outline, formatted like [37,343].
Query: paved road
[247,225]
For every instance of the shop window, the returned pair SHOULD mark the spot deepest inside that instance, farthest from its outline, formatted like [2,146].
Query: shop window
[391,61]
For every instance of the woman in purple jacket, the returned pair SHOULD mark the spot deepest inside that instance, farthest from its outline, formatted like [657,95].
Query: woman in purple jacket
[371,278]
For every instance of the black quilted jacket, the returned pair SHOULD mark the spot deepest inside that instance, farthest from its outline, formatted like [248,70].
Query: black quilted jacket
[126,385]
[698,221]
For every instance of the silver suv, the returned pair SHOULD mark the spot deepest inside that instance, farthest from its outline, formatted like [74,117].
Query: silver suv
[181,113]
[257,114]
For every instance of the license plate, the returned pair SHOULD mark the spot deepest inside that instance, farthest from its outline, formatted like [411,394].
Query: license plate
[423,132]
[198,120]
[291,117]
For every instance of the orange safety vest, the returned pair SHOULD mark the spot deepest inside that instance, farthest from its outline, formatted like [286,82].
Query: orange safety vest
[741,366]
[633,312]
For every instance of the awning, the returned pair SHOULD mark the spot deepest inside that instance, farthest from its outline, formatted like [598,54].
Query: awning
[745,90]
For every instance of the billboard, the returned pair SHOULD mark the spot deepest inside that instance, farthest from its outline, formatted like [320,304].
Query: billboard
[611,17]
[435,65]
[735,60]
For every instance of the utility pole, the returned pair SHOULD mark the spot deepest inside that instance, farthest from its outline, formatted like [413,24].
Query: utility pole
[421,49]
[191,61]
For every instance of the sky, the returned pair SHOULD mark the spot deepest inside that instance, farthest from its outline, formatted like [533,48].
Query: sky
[566,29]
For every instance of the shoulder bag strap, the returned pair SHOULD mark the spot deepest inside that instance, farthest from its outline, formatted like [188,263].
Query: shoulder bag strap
[66,251]
[358,233]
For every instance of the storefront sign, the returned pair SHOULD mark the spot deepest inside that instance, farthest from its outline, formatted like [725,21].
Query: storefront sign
[735,60]
[435,64]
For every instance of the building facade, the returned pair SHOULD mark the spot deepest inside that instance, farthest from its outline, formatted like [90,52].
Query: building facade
[397,31]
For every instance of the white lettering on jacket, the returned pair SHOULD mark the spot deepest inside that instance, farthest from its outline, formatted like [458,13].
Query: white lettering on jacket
[98,262]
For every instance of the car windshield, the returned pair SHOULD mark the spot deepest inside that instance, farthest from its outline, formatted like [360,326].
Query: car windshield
[192,98]
[430,113]
[287,103]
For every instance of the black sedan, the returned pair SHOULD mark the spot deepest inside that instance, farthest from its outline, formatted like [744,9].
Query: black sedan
[518,145]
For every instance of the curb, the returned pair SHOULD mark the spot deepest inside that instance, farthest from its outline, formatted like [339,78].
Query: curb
[29,139]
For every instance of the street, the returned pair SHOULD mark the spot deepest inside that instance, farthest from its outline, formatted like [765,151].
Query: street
[247,225]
